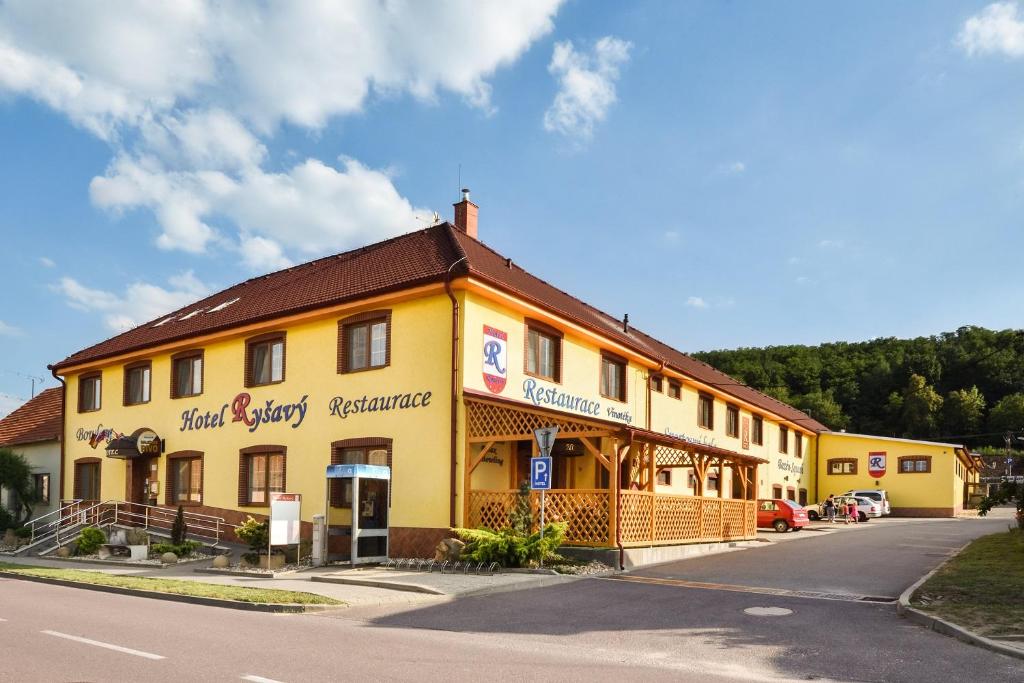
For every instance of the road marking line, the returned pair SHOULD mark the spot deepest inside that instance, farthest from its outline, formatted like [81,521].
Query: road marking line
[783,592]
[116,648]
[258,679]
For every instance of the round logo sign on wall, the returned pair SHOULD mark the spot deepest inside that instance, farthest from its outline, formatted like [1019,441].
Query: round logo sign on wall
[147,442]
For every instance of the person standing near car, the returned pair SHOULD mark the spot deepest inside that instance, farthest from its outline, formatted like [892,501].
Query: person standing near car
[844,511]
[830,508]
[851,511]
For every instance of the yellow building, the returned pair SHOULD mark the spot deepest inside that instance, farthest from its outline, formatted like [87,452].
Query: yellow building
[435,355]
[921,478]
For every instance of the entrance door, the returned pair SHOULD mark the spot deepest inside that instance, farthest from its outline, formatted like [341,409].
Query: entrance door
[142,472]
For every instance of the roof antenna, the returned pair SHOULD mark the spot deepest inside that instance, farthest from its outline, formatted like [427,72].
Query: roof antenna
[625,323]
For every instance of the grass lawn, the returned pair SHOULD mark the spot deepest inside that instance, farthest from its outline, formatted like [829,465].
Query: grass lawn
[176,586]
[982,588]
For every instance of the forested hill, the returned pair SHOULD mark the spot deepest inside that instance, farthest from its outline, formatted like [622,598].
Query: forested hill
[966,386]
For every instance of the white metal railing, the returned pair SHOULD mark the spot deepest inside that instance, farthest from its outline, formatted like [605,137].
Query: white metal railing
[77,513]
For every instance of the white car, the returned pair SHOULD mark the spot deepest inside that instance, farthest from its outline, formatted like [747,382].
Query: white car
[866,508]
[877,495]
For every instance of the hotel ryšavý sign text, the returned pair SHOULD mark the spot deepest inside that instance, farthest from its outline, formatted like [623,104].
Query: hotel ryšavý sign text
[268,412]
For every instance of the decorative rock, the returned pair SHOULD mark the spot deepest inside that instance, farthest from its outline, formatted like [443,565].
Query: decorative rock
[136,536]
[220,562]
[63,551]
[169,558]
[449,549]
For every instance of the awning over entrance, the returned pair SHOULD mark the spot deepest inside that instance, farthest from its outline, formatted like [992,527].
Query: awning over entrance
[142,442]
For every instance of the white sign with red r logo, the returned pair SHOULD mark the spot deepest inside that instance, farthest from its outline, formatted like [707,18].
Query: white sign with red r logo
[876,464]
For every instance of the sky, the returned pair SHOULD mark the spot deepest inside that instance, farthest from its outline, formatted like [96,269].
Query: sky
[727,173]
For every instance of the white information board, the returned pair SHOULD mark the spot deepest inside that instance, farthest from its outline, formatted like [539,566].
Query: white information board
[284,518]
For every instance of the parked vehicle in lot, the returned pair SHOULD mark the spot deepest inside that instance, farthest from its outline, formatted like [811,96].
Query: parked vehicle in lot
[878,495]
[866,508]
[781,515]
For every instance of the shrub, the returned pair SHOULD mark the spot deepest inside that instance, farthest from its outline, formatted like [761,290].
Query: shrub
[23,532]
[90,541]
[180,549]
[520,519]
[179,530]
[6,520]
[510,548]
[256,534]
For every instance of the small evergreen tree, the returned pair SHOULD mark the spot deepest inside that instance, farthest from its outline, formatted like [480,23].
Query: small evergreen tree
[520,519]
[179,529]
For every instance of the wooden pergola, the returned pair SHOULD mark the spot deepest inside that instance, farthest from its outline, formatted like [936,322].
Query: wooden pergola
[630,501]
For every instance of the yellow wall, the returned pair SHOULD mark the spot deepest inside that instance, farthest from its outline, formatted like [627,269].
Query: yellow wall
[941,489]
[581,363]
[420,362]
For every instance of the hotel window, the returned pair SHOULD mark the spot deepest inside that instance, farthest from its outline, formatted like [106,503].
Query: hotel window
[41,485]
[776,491]
[87,479]
[675,390]
[798,444]
[842,466]
[90,388]
[657,383]
[757,432]
[364,451]
[264,360]
[184,478]
[915,464]
[364,341]
[691,479]
[732,421]
[803,498]
[613,377]
[187,374]
[712,483]
[261,471]
[791,493]
[783,439]
[665,478]
[543,357]
[136,383]
[706,411]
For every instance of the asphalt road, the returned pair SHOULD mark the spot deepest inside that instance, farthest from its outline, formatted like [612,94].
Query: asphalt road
[880,558]
[593,629]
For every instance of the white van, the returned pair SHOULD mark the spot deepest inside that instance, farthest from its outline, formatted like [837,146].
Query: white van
[877,495]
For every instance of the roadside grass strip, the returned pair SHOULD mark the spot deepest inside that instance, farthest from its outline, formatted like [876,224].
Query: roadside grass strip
[196,589]
[982,588]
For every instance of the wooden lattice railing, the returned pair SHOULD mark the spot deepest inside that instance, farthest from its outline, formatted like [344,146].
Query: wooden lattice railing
[646,518]
[586,512]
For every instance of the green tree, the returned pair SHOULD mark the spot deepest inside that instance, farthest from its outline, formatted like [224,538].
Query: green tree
[16,477]
[963,411]
[1007,415]
[822,407]
[179,530]
[918,407]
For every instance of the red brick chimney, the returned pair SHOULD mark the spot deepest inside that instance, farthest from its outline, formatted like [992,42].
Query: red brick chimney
[465,215]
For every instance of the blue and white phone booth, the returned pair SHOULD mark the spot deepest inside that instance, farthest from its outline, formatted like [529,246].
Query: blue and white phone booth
[366,488]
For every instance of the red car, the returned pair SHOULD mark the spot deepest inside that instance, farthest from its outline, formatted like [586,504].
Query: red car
[782,515]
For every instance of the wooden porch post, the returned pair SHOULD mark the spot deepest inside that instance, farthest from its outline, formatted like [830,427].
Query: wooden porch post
[721,478]
[650,467]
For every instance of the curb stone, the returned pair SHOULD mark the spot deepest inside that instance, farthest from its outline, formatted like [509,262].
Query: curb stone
[172,597]
[946,628]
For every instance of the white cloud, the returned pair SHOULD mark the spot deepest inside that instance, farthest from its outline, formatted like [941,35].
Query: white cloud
[996,29]
[696,302]
[108,64]
[7,330]
[671,236]
[586,86]
[47,262]
[140,302]
[732,168]
[831,244]
[188,94]
[794,260]
[802,280]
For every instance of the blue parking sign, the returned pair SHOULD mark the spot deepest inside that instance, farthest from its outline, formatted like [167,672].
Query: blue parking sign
[540,473]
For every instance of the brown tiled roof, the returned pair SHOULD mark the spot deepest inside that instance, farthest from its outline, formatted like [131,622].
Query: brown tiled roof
[37,420]
[408,260]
